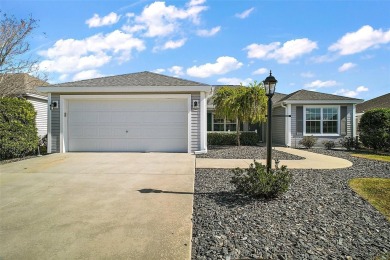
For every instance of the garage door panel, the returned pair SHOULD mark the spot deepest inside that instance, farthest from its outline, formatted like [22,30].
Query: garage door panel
[128,125]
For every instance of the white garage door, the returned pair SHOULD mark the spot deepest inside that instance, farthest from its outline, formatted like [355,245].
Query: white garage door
[129,125]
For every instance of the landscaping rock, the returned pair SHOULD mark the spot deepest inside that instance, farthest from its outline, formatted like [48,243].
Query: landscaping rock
[318,217]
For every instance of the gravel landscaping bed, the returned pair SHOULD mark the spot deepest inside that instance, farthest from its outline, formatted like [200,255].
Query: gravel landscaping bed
[245,152]
[320,217]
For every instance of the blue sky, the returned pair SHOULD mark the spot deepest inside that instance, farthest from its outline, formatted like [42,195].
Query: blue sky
[337,47]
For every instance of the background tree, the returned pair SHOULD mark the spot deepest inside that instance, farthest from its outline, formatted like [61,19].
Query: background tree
[244,104]
[14,47]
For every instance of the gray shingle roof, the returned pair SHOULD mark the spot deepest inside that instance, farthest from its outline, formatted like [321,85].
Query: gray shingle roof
[313,95]
[378,102]
[20,84]
[139,79]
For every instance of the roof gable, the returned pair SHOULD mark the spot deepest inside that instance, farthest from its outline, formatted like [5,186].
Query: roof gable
[305,95]
[139,79]
[20,84]
[378,102]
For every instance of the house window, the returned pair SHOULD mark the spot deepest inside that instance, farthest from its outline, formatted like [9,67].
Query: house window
[222,125]
[321,120]
[219,124]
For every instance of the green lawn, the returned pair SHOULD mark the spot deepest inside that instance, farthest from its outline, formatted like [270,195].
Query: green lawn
[379,157]
[376,191]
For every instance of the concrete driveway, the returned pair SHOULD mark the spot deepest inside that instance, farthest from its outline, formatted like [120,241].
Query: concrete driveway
[97,206]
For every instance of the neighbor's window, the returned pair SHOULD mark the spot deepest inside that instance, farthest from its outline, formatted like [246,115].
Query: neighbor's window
[321,120]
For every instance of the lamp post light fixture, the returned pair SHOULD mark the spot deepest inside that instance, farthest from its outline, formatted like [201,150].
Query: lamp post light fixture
[269,85]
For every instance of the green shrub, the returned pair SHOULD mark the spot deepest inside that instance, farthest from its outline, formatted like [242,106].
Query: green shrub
[375,128]
[308,141]
[18,134]
[221,138]
[329,144]
[349,143]
[249,138]
[257,182]
[230,138]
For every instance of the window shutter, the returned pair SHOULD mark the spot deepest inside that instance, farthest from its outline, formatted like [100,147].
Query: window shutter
[299,120]
[343,120]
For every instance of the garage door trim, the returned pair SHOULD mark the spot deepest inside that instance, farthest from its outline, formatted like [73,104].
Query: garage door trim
[64,111]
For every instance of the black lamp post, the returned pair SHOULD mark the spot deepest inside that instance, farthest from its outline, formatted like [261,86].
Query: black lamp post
[269,85]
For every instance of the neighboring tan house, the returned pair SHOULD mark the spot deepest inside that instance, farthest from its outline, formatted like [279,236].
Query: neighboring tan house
[137,112]
[378,102]
[325,116]
[24,86]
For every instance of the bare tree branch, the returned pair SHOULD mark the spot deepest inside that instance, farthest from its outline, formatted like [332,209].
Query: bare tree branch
[14,48]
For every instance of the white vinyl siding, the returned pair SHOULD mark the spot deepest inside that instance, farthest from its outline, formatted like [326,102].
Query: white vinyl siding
[40,106]
[195,125]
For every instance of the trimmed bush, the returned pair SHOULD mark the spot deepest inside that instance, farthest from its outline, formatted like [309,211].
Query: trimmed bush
[349,143]
[230,138]
[249,138]
[18,133]
[221,138]
[257,182]
[375,129]
[329,144]
[308,141]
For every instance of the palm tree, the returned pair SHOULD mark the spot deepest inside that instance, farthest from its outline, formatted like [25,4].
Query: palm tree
[244,104]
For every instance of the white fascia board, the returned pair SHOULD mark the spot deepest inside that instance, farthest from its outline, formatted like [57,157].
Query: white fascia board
[315,102]
[127,89]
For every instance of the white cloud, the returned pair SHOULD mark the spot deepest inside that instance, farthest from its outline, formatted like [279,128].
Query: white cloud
[307,74]
[290,50]
[245,14]
[361,89]
[70,55]
[260,71]
[364,38]
[235,81]
[346,66]
[208,33]
[351,93]
[159,20]
[174,44]
[223,65]
[87,74]
[196,2]
[63,77]
[159,71]
[177,71]
[321,84]
[97,21]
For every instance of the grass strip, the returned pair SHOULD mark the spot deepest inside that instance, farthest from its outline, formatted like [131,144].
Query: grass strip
[376,191]
[378,157]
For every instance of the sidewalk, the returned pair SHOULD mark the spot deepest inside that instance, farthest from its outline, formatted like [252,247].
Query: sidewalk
[311,161]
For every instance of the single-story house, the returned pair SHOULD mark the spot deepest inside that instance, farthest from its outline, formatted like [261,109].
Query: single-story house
[301,113]
[23,85]
[137,112]
[378,102]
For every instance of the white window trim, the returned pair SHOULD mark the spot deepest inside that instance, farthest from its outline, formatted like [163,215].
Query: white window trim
[322,106]
[224,125]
